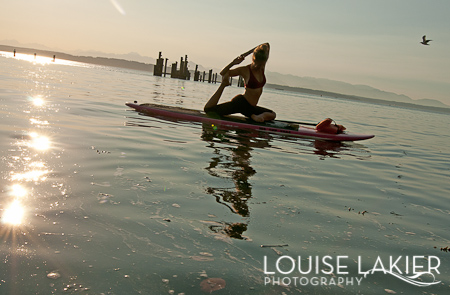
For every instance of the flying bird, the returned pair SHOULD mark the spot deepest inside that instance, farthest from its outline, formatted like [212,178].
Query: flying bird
[425,41]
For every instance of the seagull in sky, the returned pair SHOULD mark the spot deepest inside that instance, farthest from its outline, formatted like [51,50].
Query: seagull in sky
[425,41]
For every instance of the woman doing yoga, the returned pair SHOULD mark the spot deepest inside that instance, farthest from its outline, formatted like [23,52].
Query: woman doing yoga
[254,78]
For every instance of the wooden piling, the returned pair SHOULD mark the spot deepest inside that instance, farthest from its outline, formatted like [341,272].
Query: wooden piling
[241,82]
[187,74]
[181,71]
[196,73]
[174,71]
[158,67]
[210,76]
[165,67]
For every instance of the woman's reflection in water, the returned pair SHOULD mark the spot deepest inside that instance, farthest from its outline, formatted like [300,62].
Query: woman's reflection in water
[231,160]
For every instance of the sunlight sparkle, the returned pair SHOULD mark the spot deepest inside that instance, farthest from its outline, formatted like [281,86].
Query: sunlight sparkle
[38,101]
[13,215]
[18,191]
[39,142]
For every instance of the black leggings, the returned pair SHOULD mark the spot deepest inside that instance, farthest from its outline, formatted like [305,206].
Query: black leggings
[238,104]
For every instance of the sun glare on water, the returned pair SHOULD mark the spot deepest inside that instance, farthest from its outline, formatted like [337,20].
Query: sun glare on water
[18,191]
[13,215]
[33,175]
[38,101]
[39,142]
[42,60]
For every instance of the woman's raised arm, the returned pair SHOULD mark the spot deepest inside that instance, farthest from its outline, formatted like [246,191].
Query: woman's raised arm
[236,61]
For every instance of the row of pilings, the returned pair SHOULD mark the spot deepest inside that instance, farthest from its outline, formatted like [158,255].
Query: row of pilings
[183,73]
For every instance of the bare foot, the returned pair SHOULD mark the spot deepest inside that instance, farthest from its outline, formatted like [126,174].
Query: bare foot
[266,116]
[258,118]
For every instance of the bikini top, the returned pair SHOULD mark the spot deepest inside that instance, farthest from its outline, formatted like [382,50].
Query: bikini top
[253,83]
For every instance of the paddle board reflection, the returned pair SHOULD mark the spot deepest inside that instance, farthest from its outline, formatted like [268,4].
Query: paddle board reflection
[328,148]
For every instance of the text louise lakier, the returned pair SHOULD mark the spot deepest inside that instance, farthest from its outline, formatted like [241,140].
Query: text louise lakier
[328,270]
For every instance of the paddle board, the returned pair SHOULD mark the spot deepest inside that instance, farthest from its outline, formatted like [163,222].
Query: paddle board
[278,127]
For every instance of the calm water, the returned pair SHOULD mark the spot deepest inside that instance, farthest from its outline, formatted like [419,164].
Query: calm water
[98,199]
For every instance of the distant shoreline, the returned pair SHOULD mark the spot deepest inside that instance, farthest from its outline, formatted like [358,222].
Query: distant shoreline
[148,67]
[103,61]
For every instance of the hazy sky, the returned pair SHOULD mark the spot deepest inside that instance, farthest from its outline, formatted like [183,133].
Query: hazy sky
[370,42]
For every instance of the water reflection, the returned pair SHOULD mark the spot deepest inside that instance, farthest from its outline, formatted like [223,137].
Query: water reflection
[33,175]
[43,60]
[18,191]
[13,214]
[34,140]
[232,161]
[38,122]
[36,59]
[37,101]
[328,148]
[25,168]
[39,142]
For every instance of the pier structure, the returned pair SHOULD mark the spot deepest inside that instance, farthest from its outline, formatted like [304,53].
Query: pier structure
[182,72]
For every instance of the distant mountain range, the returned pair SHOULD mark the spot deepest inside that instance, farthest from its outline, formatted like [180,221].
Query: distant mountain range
[365,99]
[338,87]
[311,85]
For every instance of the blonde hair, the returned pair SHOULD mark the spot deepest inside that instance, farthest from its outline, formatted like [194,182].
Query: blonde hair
[261,54]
